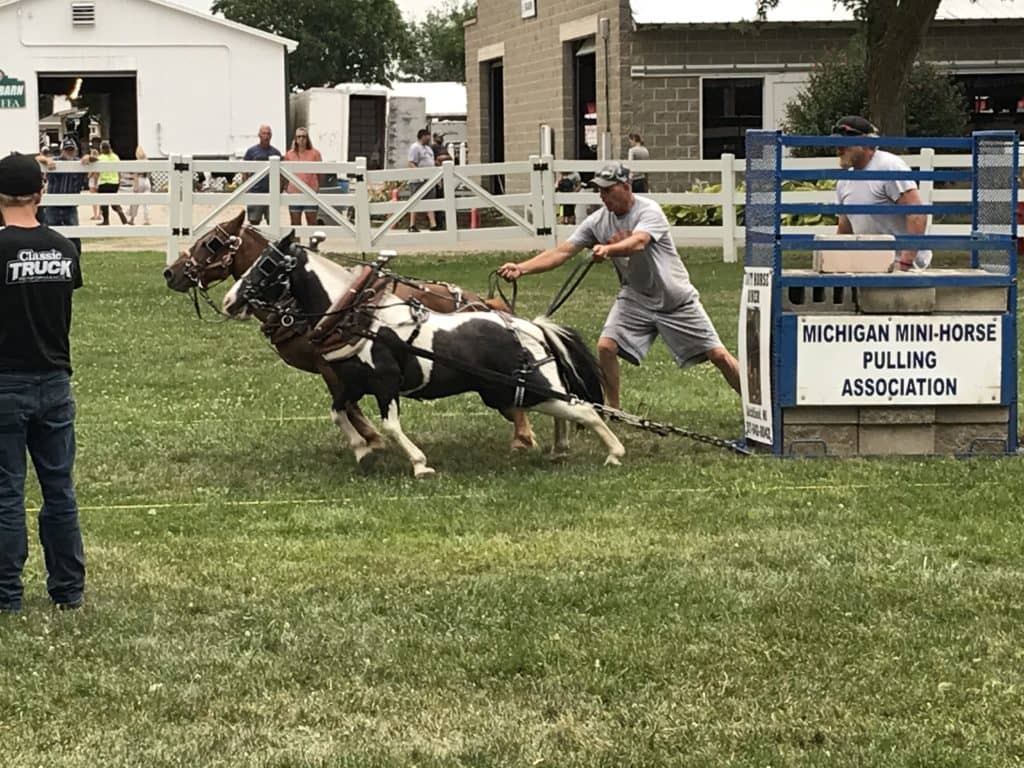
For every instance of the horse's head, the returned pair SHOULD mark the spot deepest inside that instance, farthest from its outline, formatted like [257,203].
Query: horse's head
[230,248]
[267,280]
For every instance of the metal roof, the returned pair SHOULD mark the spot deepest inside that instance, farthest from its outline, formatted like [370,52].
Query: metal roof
[735,11]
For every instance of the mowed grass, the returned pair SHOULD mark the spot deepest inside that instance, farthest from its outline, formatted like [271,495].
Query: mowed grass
[255,601]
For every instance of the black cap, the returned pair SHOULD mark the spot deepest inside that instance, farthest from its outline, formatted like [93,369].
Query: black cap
[610,175]
[69,143]
[854,125]
[20,175]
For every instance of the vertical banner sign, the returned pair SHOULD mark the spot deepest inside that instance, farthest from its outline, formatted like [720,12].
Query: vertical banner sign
[755,354]
[528,8]
[12,92]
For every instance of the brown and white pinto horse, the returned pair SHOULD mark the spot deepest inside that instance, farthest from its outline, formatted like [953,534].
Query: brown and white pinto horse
[232,247]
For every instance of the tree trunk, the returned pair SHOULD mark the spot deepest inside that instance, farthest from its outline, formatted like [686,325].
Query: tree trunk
[895,33]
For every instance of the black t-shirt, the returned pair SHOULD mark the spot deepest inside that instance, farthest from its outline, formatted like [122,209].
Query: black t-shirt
[40,270]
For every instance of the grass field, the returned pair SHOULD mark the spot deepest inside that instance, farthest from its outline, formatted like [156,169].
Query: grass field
[253,600]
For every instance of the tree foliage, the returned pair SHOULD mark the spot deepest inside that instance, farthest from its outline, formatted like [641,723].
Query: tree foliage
[895,31]
[437,45]
[339,40]
[837,86]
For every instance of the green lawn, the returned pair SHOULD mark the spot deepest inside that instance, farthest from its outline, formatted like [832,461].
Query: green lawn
[253,600]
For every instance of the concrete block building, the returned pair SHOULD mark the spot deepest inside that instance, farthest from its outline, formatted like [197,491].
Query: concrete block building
[692,77]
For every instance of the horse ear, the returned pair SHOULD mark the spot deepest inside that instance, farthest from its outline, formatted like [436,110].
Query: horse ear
[238,220]
[286,241]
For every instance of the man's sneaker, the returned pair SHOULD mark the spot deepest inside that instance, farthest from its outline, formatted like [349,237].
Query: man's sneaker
[10,609]
[74,605]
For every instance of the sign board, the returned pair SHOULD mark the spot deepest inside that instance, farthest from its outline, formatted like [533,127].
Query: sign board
[529,8]
[12,92]
[899,360]
[755,354]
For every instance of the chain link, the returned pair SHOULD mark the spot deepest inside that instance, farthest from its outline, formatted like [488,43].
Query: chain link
[662,430]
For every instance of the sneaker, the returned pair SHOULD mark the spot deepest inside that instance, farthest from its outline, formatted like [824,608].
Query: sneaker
[10,609]
[73,605]
[414,229]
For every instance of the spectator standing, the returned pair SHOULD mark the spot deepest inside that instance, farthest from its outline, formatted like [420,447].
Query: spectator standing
[66,183]
[302,150]
[637,151]
[263,150]
[421,156]
[141,184]
[109,183]
[41,269]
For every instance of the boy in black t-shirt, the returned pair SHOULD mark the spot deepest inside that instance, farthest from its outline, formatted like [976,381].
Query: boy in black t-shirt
[37,412]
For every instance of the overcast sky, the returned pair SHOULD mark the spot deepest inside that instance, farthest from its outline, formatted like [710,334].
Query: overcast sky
[411,9]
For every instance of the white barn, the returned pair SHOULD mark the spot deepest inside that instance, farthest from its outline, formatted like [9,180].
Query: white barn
[152,73]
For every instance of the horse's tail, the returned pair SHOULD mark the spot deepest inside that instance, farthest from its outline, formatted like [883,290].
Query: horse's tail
[577,365]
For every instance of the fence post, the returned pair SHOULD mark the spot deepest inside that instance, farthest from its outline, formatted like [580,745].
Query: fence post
[927,164]
[186,216]
[535,215]
[173,207]
[728,209]
[361,190]
[275,196]
[451,224]
[550,208]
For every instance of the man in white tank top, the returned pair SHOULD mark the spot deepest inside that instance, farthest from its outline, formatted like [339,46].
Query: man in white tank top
[883,192]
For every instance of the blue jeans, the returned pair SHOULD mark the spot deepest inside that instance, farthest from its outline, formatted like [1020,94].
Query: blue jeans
[37,415]
[63,216]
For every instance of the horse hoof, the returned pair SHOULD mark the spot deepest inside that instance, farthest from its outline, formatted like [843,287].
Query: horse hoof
[421,473]
[519,444]
[367,461]
[612,461]
[557,457]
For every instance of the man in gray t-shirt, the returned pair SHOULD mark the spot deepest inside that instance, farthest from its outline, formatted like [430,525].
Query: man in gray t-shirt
[421,156]
[878,192]
[656,297]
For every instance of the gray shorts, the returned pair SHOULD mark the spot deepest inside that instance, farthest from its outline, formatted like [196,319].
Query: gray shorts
[686,330]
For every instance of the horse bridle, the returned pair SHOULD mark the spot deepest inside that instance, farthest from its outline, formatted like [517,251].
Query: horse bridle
[222,246]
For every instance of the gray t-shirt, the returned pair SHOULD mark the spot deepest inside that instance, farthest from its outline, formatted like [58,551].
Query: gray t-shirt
[865,192]
[638,152]
[655,277]
[422,155]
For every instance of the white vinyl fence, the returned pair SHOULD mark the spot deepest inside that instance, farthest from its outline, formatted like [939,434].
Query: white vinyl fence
[190,196]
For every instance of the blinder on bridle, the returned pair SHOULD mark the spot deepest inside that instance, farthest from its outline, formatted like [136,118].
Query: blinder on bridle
[221,247]
[267,281]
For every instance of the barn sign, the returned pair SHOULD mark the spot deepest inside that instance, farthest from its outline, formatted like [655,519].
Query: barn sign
[12,92]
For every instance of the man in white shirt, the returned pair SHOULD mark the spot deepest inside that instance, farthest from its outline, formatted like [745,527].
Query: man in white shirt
[883,192]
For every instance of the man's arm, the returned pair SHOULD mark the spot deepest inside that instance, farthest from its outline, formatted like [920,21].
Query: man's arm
[622,244]
[916,225]
[844,228]
[542,262]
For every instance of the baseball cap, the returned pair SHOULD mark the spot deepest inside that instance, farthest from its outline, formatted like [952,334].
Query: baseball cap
[68,144]
[854,125]
[20,175]
[610,175]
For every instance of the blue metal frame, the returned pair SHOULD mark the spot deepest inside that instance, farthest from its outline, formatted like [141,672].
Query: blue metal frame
[784,326]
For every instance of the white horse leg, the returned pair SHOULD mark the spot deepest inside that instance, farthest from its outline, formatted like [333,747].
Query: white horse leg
[391,427]
[588,417]
[364,452]
[560,447]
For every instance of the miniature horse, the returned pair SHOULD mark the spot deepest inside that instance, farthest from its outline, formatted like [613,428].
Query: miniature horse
[385,346]
[230,248]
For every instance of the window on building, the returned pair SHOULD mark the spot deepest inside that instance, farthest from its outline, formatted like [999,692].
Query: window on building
[729,106]
[994,102]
